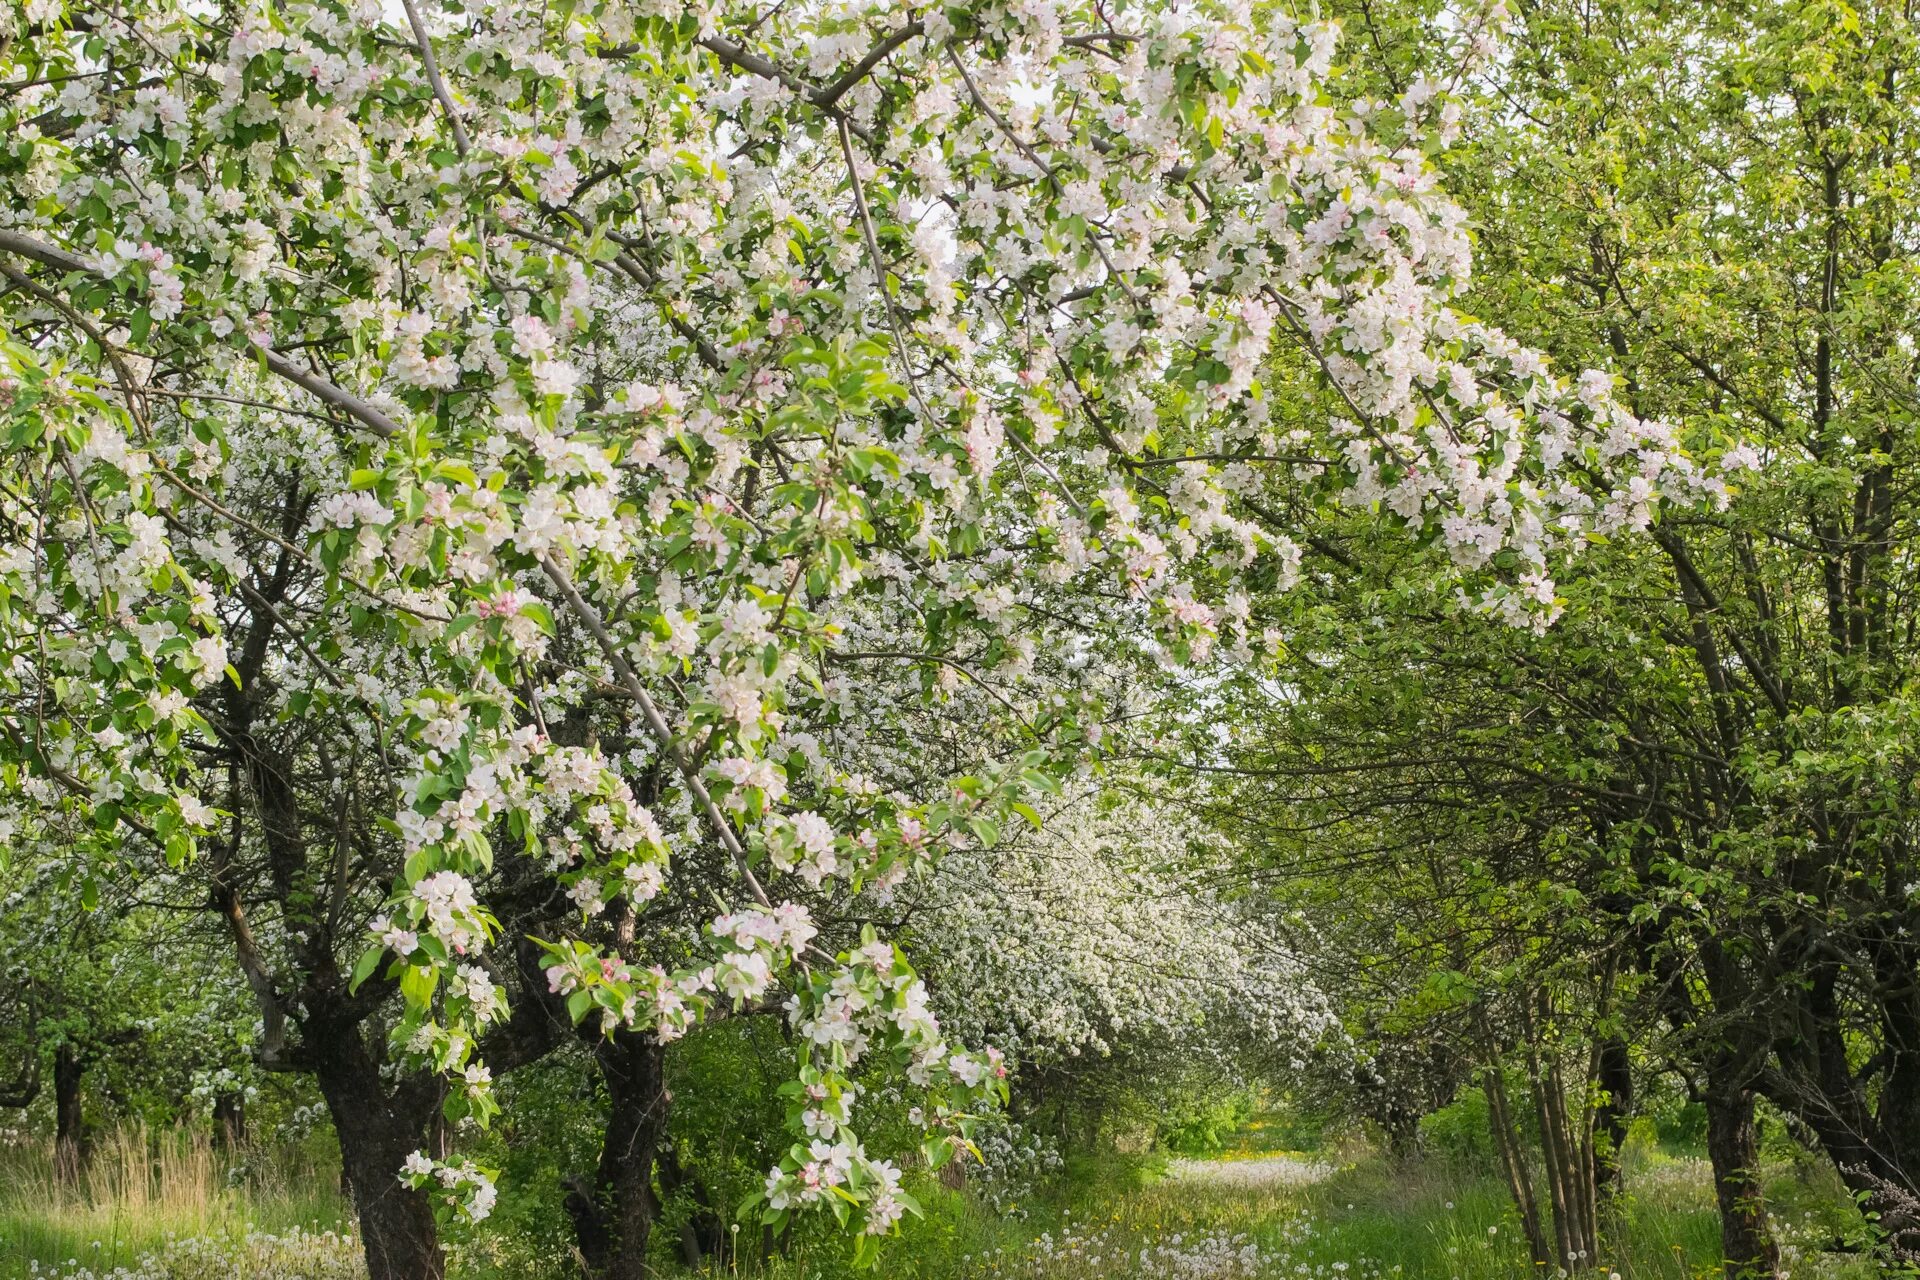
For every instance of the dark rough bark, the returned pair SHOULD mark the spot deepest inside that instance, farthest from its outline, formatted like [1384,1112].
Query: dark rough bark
[309,796]
[612,1228]
[377,1126]
[1402,1128]
[70,1139]
[1746,1240]
[703,1236]
[25,1086]
[230,1120]
[1613,1072]
[590,1235]
[377,1132]
[1869,1147]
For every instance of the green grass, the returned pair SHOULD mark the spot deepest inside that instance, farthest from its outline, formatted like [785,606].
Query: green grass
[141,1192]
[1257,1214]
[1433,1220]
[1367,1220]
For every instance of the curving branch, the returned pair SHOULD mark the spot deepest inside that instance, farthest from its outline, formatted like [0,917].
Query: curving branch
[313,384]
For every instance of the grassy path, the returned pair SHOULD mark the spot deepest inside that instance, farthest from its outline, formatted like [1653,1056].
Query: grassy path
[1270,1216]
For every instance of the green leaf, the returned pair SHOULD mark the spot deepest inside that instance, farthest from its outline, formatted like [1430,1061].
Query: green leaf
[541,615]
[363,967]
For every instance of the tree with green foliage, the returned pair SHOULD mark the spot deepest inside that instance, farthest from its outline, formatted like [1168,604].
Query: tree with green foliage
[1702,776]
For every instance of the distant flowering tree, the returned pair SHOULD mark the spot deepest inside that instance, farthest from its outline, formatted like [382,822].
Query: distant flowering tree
[430,382]
[1103,933]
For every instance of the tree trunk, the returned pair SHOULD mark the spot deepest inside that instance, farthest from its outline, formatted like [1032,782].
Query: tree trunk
[1568,1164]
[1880,1162]
[377,1132]
[70,1139]
[613,1226]
[1401,1125]
[230,1120]
[1577,1150]
[1613,1072]
[1859,1150]
[1746,1239]
[1513,1161]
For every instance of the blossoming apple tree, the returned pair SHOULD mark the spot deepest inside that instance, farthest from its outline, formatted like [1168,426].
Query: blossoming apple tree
[490,359]
[1121,972]
[1104,933]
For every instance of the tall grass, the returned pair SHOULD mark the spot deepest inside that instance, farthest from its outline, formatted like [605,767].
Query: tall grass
[141,1192]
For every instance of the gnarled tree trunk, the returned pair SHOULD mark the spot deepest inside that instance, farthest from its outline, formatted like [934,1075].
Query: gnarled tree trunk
[1746,1238]
[1613,1073]
[378,1129]
[69,1122]
[230,1120]
[613,1225]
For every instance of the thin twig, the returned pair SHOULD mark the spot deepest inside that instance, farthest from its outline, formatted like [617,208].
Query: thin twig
[326,392]
[433,77]
[905,655]
[657,725]
[879,268]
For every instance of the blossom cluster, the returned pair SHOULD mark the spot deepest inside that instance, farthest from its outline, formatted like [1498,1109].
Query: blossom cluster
[470,1188]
